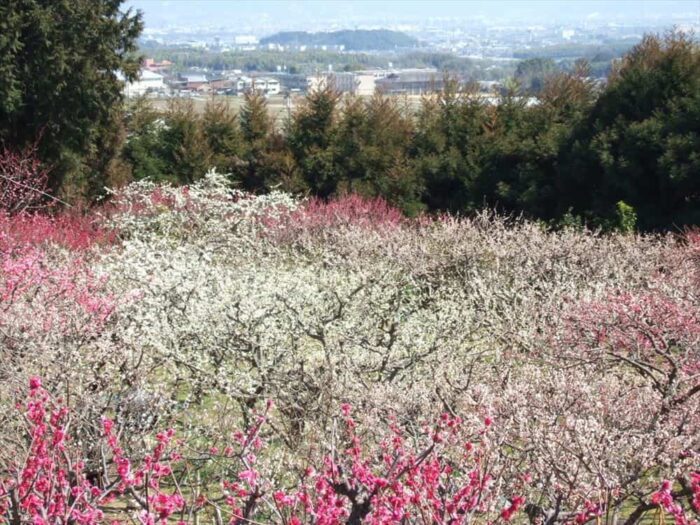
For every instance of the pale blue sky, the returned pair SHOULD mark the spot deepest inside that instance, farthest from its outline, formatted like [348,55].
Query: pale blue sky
[296,12]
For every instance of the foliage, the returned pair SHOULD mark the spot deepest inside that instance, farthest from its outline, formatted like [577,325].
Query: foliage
[572,152]
[310,135]
[59,63]
[637,143]
[532,73]
[626,217]
[256,130]
[370,146]
[144,142]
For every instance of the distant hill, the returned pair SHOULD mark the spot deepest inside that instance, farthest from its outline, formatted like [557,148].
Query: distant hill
[353,40]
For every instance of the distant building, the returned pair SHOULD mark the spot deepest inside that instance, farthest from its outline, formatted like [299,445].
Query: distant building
[147,82]
[154,66]
[267,86]
[366,81]
[365,84]
[242,84]
[194,82]
[245,40]
[411,82]
[342,82]
[264,85]
[489,86]
[221,86]
[290,82]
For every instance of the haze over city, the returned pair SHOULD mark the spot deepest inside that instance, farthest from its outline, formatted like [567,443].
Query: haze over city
[474,28]
[295,14]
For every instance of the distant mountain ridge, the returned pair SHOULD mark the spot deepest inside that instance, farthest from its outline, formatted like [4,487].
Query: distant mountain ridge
[352,39]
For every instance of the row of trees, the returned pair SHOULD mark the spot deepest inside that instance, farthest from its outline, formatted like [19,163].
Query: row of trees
[615,157]
[314,60]
[618,157]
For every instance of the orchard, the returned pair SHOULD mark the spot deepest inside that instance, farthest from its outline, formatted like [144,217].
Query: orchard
[199,354]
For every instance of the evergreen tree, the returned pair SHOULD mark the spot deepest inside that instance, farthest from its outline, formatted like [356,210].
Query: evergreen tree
[59,61]
[640,141]
[222,133]
[257,129]
[371,146]
[448,146]
[310,134]
[144,149]
[350,141]
[185,149]
[532,74]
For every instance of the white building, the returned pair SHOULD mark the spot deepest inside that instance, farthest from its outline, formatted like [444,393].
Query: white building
[147,82]
[362,83]
[366,81]
[365,84]
[268,86]
[245,40]
[265,85]
[341,82]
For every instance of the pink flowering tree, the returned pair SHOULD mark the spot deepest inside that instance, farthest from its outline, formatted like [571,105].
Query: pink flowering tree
[443,475]
[47,484]
[317,217]
[612,407]
[54,307]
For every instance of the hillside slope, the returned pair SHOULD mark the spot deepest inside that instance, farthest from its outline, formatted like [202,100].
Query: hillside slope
[353,40]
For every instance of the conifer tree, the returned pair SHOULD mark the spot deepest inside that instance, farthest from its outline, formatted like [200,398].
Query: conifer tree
[639,142]
[185,148]
[222,132]
[310,134]
[59,64]
[256,129]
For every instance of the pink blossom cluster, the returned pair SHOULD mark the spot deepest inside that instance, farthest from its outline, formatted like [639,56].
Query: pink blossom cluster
[46,283]
[50,485]
[447,480]
[73,230]
[590,511]
[654,335]
[669,502]
[350,211]
[158,505]
[631,320]
[58,295]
